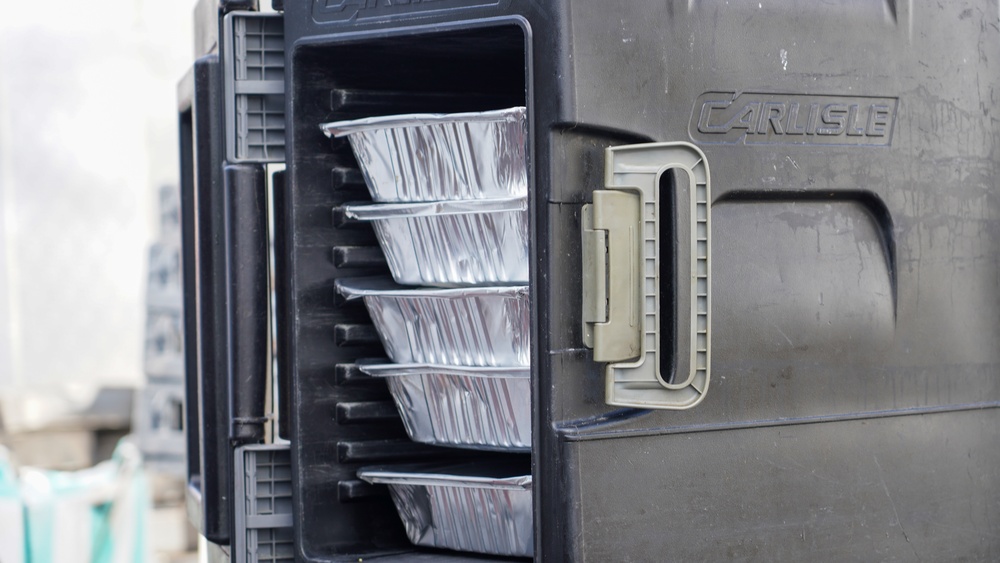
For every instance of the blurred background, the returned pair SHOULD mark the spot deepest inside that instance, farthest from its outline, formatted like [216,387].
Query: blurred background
[88,169]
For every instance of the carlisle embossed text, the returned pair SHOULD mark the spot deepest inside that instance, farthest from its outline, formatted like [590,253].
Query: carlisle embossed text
[753,118]
[361,11]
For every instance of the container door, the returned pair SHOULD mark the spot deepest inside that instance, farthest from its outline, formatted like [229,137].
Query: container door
[848,405]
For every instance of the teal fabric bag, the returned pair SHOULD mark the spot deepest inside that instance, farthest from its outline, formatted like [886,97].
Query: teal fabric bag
[12,546]
[95,515]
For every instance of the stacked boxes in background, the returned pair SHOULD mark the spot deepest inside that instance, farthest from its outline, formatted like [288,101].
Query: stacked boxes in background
[451,216]
[159,411]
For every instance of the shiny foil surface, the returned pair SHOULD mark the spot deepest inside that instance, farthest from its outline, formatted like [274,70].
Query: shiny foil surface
[452,243]
[475,326]
[467,407]
[468,507]
[432,157]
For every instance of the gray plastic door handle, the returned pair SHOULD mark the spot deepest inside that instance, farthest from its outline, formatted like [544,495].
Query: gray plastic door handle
[626,318]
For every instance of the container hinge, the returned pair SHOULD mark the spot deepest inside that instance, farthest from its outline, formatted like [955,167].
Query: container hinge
[657,347]
[595,275]
[610,242]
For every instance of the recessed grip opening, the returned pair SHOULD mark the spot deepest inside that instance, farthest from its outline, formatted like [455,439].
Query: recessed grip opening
[668,260]
[658,247]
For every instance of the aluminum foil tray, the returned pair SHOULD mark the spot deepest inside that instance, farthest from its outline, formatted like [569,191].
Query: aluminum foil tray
[475,326]
[452,243]
[433,157]
[483,507]
[483,408]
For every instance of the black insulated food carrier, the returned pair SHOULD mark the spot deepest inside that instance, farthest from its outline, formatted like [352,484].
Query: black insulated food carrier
[763,268]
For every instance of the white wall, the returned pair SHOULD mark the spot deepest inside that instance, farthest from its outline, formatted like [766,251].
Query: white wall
[87,134]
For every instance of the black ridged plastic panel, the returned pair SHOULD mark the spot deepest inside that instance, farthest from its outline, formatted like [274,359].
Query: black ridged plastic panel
[205,326]
[254,72]
[263,501]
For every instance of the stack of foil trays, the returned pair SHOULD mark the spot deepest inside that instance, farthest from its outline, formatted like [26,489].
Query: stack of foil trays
[453,194]
[451,215]
[461,375]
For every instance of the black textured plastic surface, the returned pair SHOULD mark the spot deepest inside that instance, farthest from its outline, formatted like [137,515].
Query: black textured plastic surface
[226,6]
[248,303]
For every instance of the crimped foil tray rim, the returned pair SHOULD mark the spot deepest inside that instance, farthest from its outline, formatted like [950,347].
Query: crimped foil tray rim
[403,210]
[382,286]
[347,127]
[416,370]
[385,476]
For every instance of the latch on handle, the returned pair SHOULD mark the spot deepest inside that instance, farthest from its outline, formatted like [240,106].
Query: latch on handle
[626,319]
